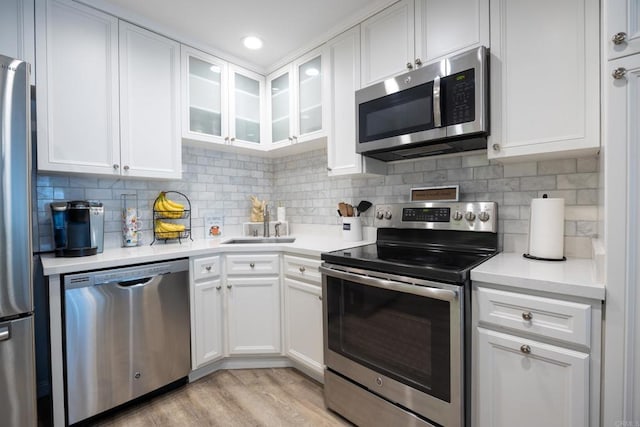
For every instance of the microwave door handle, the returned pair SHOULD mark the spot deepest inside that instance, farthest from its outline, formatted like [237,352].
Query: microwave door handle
[437,113]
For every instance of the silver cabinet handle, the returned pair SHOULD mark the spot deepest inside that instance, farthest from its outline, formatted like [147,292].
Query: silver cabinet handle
[233,138]
[329,169]
[208,268]
[226,139]
[619,38]
[126,167]
[437,115]
[525,349]
[116,167]
[219,287]
[302,269]
[496,147]
[410,65]
[619,73]
[527,316]
[252,265]
[290,139]
[418,62]
[4,333]
[229,286]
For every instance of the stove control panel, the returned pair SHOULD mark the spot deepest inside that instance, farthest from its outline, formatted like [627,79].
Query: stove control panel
[471,216]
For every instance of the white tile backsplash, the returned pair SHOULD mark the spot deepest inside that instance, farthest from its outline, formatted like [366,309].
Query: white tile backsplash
[223,182]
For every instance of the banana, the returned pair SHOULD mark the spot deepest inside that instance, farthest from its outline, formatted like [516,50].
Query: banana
[173,205]
[167,208]
[167,230]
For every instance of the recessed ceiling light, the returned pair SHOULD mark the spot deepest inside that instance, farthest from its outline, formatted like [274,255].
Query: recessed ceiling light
[252,42]
[312,72]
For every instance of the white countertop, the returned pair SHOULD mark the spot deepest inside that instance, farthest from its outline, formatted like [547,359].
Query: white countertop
[573,277]
[310,245]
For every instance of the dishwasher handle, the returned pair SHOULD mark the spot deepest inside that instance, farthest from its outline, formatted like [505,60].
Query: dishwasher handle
[138,283]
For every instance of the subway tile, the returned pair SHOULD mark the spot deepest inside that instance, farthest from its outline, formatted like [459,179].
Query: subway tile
[428,164]
[587,197]
[507,184]
[475,160]
[519,197]
[463,174]
[475,186]
[404,167]
[569,196]
[538,183]
[581,213]
[588,164]
[557,166]
[515,226]
[577,181]
[520,169]
[488,172]
[449,163]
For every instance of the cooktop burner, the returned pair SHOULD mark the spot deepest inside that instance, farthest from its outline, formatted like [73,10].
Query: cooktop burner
[433,241]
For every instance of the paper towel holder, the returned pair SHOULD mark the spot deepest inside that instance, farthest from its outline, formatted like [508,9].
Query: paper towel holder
[528,256]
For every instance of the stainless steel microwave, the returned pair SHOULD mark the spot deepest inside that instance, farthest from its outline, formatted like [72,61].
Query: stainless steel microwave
[438,108]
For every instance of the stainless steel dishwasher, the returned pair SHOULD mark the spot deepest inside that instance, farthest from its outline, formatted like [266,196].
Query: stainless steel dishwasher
[126,334]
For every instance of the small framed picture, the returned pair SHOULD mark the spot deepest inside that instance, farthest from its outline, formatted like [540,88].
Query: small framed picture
[213,224]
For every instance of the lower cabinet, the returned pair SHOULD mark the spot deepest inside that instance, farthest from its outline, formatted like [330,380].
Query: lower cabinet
[303,323]
[206,311]
[528,383]
[253,315]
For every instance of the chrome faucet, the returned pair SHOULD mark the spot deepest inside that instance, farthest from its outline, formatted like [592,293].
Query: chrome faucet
[265,214]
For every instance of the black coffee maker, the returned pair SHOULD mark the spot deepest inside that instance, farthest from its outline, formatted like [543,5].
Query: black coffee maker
[74,228]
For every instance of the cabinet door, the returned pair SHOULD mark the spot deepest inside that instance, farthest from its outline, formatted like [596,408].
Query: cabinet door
[77,91]
[622,27]
[280,108]
[246,108]
[17,31]
[545,86]
[303,323]
[253,321]
[149,104]
[207,327]
[343,54]
[529,384]
[387,43]
[310,75]
[448,27]
[204,96]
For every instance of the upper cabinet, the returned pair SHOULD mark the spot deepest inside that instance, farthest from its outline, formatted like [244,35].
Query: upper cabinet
[16,31]
[545,87]
[221,103]
[298,100]
[107,98]
[415,32]
[623,24]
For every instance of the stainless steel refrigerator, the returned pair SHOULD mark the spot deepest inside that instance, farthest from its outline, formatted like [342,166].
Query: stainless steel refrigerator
[17,360]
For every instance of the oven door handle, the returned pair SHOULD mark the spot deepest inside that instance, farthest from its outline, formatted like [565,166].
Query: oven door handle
[435,293]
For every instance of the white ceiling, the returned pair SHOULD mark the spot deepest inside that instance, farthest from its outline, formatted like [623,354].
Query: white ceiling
[285,26]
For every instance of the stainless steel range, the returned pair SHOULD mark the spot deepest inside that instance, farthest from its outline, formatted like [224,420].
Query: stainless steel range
[396,315]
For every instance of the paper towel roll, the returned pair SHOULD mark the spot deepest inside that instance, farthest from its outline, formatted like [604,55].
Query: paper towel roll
[546,229]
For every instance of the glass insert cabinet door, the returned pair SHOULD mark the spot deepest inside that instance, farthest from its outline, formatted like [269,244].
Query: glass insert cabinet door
[310,96]
[206,96]
[281,108]
[245,105]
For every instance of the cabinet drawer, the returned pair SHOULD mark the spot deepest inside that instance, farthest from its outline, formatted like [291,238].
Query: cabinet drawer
[206,268]
[302,268]
[253,264]
[546,317]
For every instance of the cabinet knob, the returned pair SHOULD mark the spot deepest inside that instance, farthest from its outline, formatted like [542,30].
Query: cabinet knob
[116,167]
[219,287]
[126,167]
[409,65]
[619,73]
[320,297]
[226,139]
[527,316]
[233,138]
[290,139]
[496,147]
[229,286]
[329,169]
[418,62]
[252,265]
[525,349]
[302,269]
[619,38]
[208,268]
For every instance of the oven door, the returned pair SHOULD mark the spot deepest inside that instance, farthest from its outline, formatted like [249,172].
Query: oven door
[399,337]
[401,110]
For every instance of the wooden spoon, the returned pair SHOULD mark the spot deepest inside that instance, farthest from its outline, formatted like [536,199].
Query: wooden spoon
[342,207]
[349,210]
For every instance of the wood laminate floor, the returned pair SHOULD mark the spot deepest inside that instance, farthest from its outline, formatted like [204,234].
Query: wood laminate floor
[242,397]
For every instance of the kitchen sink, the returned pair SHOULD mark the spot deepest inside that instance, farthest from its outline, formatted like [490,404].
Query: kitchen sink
[260,240]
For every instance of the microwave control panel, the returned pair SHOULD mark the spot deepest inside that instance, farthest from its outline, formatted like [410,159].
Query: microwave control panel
[459,97]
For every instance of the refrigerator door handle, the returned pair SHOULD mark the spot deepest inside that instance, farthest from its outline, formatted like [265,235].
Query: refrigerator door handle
[5,333]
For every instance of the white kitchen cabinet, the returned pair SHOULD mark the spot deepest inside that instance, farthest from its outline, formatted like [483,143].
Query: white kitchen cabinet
[412,33]
[622,27]
[303,314]
[343,54]
[530,384]
[545,92]
[206,311]
[107,95]
[205,112]
[252,288]
[253,321]
[537,359]
[17,31]
[298,100]
[246,107]
[149,104]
